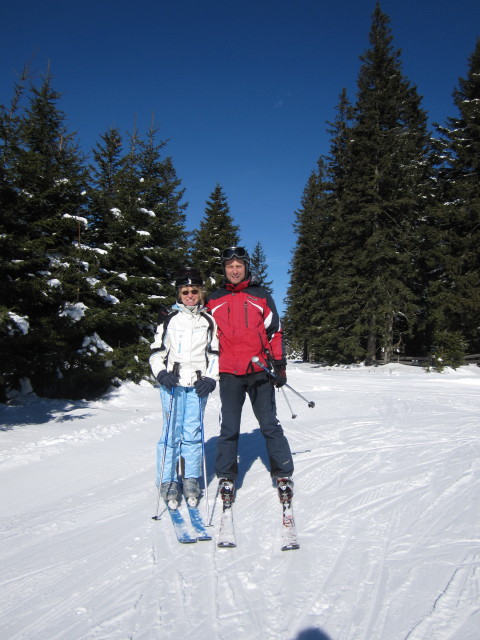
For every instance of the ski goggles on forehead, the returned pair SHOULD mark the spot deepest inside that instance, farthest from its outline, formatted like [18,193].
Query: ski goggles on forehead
[234,252]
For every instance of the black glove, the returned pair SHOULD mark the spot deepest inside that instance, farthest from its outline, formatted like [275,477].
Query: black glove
[279,368]
[168,379]
[204,386]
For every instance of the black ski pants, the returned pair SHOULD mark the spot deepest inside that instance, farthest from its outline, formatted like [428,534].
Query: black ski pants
[233,390]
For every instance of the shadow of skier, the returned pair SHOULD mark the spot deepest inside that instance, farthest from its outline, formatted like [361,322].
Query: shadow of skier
[251,446]
[312,634]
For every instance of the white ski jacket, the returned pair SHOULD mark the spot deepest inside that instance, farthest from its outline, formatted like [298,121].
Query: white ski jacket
[189,337]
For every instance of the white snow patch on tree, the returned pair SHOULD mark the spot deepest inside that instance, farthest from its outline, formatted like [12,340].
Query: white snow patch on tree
[77,218]
[75,311]
[20,324]
[93,344]
[102,292]
[147,211]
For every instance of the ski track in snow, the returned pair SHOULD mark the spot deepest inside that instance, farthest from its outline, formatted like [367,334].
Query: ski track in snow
[387,485]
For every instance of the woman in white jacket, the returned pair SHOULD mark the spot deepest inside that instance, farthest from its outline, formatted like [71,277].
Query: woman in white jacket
[186,337]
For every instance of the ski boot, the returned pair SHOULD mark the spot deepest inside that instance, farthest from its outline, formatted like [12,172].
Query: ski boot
[191,491]
[169,492]
[285,488]
[227,491]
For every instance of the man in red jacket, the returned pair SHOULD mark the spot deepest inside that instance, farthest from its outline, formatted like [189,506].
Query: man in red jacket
[248,326]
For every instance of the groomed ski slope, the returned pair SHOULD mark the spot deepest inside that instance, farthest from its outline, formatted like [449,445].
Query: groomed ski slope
[387,508]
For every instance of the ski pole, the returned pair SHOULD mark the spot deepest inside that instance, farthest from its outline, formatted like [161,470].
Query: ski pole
[204,460]
[176,368]
[214,505]
[294,415]
[256,359]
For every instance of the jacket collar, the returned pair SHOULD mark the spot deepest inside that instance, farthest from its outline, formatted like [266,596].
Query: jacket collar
[237,287]
[183,307]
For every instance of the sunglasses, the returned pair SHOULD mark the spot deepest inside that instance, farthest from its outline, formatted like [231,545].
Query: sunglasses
[187,292]
[234,252]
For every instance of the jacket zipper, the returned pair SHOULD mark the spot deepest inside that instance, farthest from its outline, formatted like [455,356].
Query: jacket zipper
[246,313]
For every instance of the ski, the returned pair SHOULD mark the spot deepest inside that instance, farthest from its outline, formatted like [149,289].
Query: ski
[289,530]
[198,524]
[180,526]
[226,534]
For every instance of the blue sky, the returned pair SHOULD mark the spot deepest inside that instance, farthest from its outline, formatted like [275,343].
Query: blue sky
[242,91]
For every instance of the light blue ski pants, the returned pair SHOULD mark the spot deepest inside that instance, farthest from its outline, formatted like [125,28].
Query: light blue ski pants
[184,434]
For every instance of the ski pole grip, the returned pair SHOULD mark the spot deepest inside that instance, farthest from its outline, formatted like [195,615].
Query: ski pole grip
[269,356]
[176,369]
[256,359]
[199,374]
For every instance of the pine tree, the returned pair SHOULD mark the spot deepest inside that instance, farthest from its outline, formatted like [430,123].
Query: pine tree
[140,231]
[162,198]
[104,194]
[384,187]
[303,296]
[47,273]
[331,316]
[258,266]
[216,232]
[12,325]
[454,292]
[112,191]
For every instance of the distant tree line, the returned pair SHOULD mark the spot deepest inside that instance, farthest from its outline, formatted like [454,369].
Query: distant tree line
[387,249]
[386,259]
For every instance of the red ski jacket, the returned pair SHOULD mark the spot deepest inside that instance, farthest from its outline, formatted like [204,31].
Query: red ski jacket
[248,325]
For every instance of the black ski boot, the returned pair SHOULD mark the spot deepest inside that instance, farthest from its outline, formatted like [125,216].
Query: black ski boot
[227,491]
[285,489]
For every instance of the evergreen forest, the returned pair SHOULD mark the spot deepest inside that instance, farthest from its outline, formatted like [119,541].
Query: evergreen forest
[387,229]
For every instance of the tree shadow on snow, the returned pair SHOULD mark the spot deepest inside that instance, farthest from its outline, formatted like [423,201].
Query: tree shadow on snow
[251,446]
[40,412]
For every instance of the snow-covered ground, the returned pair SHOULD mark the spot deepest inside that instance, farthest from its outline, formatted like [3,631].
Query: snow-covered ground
[387,507]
